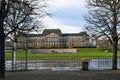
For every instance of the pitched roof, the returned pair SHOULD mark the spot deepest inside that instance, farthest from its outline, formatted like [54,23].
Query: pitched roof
[29,35]
[76,34]
[34,35]
[48,31]
[57,31]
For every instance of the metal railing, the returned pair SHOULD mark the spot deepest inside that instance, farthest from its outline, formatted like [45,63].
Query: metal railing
[61,63]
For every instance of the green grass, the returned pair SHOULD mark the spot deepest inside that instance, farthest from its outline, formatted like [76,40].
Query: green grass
[82,52]
[3,79]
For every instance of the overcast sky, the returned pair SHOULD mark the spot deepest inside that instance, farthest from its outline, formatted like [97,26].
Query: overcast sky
[67,15]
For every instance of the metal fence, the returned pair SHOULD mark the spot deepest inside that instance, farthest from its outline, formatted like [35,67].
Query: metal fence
[60,63]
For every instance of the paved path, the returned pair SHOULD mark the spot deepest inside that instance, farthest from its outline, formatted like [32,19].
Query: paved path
[63,75]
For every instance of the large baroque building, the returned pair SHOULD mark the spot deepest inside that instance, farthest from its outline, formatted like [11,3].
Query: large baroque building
[53,38]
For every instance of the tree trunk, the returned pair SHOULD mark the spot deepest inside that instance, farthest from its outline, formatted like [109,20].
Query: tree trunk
[114,59]
[2,50]
[14,49]
[14,55]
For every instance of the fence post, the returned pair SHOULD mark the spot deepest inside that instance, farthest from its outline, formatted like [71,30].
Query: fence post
[84,65]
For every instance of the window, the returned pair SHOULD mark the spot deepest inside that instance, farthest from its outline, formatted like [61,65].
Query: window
[52,39]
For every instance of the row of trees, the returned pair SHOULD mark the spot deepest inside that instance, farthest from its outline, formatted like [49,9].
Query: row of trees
[18,16]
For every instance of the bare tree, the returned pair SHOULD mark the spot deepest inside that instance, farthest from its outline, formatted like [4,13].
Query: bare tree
[104,20]
[22,18]
[17,16]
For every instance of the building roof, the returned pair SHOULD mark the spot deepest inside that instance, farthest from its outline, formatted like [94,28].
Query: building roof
[83,34]
[76,34]
[57,31]
[34,35]
[48,31]
[29,35]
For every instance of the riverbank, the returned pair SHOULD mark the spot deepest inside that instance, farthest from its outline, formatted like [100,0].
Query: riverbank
[64,75]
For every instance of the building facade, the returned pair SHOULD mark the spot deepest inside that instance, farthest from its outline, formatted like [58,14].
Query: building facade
[54,38]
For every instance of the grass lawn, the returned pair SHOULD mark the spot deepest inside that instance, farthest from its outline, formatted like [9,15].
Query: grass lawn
[81,52]
[2,79]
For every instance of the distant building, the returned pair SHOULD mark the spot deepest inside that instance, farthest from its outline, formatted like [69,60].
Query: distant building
[53,38]
[103,44]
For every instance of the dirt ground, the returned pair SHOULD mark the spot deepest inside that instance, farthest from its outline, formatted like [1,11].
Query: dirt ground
[64,75]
